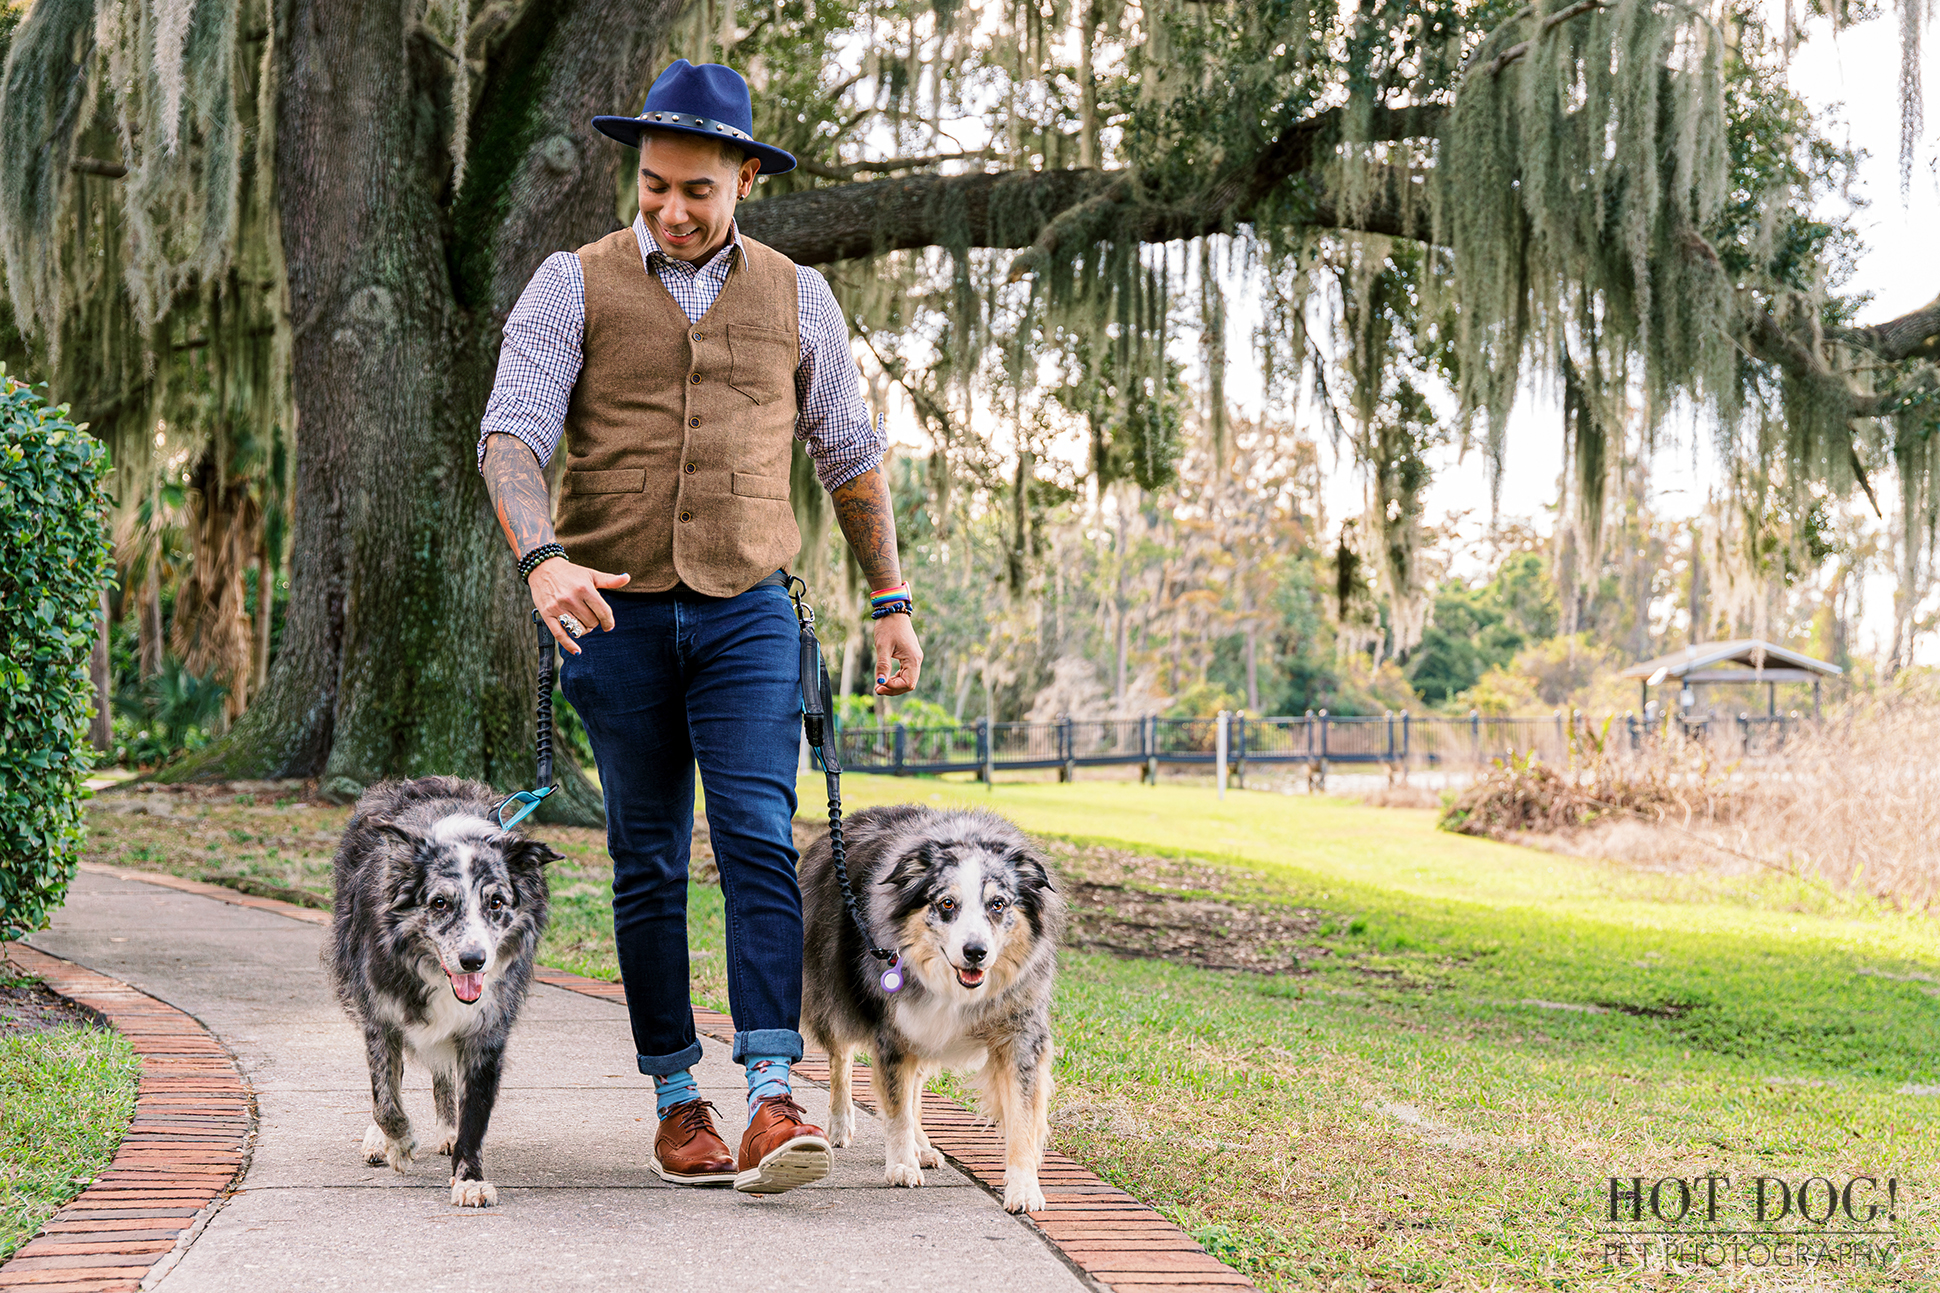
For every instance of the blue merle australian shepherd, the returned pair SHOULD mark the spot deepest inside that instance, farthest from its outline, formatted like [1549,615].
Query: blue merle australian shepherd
[969,905]
[438,914]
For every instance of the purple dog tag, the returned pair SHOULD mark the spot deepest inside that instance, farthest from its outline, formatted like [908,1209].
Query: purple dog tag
[892,978]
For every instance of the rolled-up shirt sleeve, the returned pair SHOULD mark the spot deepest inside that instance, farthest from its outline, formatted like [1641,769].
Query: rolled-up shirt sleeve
[834,421]
[540,359]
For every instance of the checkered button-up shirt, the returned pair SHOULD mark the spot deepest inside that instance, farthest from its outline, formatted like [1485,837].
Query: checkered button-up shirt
[541,358]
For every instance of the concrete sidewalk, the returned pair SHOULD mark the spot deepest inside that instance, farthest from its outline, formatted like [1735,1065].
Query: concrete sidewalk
[568,1150]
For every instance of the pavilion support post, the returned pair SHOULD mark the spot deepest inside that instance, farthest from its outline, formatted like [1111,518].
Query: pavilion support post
[1771,700]
[1815,700]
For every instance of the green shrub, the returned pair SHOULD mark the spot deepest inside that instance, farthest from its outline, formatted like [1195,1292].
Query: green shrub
[53,526]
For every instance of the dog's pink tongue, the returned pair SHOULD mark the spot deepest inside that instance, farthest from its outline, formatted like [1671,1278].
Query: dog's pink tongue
[467,986]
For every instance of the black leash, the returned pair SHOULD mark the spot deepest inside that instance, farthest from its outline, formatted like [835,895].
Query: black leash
[527,800]
[817,705]
[547,658]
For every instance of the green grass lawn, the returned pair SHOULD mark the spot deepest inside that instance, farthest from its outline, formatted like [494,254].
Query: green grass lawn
[1407,1116]
[65,1099]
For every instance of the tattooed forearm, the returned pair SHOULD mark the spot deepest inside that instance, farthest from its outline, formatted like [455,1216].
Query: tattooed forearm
[518,491]
[868,521]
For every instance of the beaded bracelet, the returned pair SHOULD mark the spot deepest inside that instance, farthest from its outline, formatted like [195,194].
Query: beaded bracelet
[891,608]
[533,559]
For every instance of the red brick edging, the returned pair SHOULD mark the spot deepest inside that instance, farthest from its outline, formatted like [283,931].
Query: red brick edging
[181,1154]
[1102,1232]
[177,1140]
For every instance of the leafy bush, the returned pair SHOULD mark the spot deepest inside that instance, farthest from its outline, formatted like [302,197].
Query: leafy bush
[174,712]
[53,523]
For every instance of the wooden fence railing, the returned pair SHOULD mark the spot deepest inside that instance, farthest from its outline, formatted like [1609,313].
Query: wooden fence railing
[1232,742]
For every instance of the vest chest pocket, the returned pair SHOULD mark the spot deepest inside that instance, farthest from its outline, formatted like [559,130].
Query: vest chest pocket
[762,362]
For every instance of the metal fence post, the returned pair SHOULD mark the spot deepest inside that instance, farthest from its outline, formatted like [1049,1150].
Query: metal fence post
[1239,747]
[1475,733]
[1149,735]
[1220,752]
[1068,769]
[983,751]
[902,741]
[1407,742]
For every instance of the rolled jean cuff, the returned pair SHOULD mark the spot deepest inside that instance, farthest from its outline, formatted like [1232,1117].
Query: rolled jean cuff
[783,1042]
[668,1065]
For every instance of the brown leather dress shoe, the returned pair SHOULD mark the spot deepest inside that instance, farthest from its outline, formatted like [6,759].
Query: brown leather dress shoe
[688,1151]
[781,1149]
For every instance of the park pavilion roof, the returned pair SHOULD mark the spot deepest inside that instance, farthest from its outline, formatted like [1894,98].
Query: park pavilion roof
[1740,660]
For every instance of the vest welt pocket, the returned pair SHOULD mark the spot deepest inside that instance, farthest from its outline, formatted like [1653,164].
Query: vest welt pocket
[748,485]
[630,481]
[762,361]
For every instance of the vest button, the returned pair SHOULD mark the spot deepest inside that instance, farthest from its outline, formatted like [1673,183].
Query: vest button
[690,469]
[693,422]
[697,336]
[695,378]
[686,516]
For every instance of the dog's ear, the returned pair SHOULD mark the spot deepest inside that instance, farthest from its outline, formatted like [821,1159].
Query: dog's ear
[1033,872]
[396,834]
[911,865]
[522,854]
[403,873]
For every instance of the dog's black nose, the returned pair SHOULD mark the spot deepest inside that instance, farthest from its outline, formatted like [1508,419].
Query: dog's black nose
[974,953]
[473,962]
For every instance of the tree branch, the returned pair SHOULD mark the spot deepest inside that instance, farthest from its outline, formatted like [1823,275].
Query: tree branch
[1016,208]
[1554,20]
[1911,336]
[849,170]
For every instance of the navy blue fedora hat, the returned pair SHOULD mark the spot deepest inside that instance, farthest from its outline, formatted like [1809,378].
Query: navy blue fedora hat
[710,100]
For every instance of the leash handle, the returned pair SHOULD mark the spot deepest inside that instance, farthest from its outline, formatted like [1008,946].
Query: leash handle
[546,657]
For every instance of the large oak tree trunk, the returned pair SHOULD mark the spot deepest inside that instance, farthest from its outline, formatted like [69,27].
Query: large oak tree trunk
[408,649]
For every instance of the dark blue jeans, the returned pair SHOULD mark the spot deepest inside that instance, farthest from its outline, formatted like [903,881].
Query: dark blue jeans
[685,680]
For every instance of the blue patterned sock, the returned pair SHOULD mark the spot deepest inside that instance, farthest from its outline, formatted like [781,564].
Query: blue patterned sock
[675,1088]
[767,1076]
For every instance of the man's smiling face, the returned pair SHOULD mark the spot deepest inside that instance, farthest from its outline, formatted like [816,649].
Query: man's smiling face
[688,189]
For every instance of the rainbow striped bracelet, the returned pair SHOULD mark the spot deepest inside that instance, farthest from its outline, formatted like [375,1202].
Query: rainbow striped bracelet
[890,601]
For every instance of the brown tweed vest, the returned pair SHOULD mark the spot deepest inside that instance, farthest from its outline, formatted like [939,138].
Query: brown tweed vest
[678,435]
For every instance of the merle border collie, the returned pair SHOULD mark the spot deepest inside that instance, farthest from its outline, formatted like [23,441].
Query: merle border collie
[971,908]
[438,913]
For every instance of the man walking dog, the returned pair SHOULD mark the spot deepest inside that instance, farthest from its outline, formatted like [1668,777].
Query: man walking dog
[680,359]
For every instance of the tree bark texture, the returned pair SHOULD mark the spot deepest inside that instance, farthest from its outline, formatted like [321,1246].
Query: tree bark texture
[408,648]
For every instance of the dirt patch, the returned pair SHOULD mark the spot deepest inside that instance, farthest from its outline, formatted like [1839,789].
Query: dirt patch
[26,1006]
[1176,909]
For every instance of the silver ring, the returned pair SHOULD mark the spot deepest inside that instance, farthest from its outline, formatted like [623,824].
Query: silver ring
[571,625]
